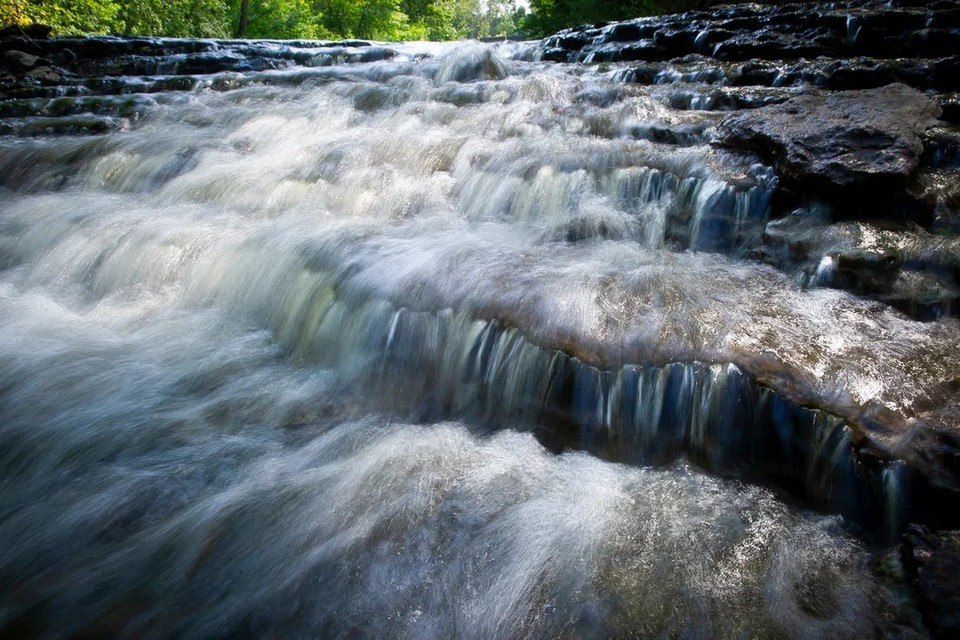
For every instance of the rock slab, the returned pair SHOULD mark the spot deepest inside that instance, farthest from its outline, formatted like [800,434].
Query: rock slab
[847,143]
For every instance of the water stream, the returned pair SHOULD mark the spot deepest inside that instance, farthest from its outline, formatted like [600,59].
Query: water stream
[292,354]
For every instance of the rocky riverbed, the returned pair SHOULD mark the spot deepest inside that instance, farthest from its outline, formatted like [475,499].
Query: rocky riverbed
[726,237]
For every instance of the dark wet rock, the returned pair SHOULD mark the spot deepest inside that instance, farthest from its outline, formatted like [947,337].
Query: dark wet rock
[571,43]
[844,45]
[69,125]
[787,32]
[371,54]
[110,55]
[66,67]
[924,74]
[847,145]
[865,271]
[625,33]
[27,70]
[932,562]
[116,106]
[680,135]
[642,50]
[555,54]
[941,188]
[706,40]
[674,41]
[725,98]
[771,45]
[901,265]
[43,75]
[924,296]
[18,61]
[935,42]
[867,73]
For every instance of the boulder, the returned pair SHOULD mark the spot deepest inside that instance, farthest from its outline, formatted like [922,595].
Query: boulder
[44,75]
[865,271]
[18,61]
[847,145]
[624,32]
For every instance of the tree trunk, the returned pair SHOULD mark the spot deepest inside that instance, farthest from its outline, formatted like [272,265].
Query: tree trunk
[244,15]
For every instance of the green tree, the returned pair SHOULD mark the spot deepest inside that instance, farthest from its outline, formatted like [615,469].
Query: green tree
[503,15]
[430,19]
[198,18]
[65,16]
[375,19]
[281,19]
[244,20]
[381,20]
[339,16]
[372,19]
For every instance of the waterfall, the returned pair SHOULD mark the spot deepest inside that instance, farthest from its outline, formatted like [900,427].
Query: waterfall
[437,340]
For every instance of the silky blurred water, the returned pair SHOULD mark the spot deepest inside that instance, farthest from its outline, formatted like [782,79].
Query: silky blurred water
[200,436]
[176,476]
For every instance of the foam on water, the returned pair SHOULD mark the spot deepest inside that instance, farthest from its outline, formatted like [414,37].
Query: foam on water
[175,476]
[232,338]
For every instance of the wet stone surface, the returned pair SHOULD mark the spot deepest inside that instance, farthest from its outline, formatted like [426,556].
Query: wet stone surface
[855,147]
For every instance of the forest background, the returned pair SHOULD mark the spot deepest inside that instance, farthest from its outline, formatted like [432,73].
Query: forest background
[391,20]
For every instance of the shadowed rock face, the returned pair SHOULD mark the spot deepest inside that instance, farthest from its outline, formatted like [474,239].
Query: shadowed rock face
[745,32]
[31,67]
[838,46]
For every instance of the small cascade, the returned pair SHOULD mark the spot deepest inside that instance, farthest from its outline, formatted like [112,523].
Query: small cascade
[442,365]
[664,207]
[853,30]
[433,340]
[896,499]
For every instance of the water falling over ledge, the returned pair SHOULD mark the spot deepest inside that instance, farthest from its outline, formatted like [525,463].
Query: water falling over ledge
[438,365]
[447,340]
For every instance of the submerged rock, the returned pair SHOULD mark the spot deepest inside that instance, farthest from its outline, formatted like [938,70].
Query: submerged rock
[469,64]
[856,146]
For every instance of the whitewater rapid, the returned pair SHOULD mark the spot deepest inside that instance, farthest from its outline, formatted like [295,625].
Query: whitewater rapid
[273,358]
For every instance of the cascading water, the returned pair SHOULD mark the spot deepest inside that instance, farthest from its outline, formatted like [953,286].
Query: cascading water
[285,355]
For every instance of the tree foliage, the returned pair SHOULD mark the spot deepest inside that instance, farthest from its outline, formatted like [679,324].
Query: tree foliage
[369,19]
[280,19]
[202,18]
[66,16]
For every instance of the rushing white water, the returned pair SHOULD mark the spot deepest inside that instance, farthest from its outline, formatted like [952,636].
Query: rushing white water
[230,334]
[176,476]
